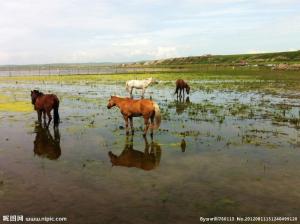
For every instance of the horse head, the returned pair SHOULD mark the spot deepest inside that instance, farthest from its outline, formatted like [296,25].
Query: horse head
[111,102]
[150,80]
[154,81]
[34,95]
[113,158]
[188,89]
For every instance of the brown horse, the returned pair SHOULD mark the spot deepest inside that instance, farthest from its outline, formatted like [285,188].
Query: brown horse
[133,158]
[44,103]
[136,108]
[181,85]
[45,145]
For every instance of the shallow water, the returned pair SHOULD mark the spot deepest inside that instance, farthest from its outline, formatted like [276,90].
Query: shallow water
[221,153]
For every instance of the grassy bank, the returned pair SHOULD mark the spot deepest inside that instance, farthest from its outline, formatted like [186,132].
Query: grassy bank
[269,81]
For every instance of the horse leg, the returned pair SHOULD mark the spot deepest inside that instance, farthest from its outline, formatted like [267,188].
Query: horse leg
[131,125]
[39,113]
[146,122]
[146,151]
[176,91]
[152,127]
[49,117]
[131,88]
[126,124]
[44,117]
[143,92]
[56,134]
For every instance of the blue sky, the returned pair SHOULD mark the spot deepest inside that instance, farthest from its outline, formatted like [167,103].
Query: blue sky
[61,31]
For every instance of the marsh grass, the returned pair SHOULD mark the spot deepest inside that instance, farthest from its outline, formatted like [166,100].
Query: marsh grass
[11,104]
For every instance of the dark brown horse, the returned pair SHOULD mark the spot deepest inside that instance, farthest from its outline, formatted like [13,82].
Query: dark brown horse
[136,108]
[43,104]
[181,85]
[45,145]
[130,157]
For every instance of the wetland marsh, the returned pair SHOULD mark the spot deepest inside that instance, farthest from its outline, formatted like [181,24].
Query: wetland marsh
[231,149]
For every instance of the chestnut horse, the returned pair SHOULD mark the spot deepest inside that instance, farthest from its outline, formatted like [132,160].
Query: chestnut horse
[136,108]
[44,103]
[181,85]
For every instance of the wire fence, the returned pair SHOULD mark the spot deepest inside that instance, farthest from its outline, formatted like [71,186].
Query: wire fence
[37,70]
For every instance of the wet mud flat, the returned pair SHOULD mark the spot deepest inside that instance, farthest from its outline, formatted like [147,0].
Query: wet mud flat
[230,149]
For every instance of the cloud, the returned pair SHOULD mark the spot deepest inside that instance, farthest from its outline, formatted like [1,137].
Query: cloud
[165,52]
[135,42]
[33,31]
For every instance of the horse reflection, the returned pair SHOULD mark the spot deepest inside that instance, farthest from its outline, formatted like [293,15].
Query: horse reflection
[182,104]
[147,160]
[183,145]
[45,145]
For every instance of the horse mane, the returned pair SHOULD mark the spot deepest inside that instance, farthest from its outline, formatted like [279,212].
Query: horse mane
[120,97]
[38,92]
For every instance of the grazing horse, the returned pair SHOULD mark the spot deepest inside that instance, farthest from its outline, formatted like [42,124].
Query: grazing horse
[138,84]
[44,103]
[136,108]
[133,158]
[181,85]
[45,145]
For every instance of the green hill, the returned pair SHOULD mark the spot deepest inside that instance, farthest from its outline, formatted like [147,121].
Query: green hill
[239,59]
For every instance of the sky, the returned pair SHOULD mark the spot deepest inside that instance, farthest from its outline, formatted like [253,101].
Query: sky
[78,31]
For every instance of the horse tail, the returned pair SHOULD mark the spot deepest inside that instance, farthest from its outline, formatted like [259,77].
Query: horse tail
[56,114]
[157,116]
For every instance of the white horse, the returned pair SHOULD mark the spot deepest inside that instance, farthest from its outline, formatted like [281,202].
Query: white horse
[138,84]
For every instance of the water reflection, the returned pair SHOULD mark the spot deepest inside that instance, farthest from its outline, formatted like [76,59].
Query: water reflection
[183,145]
[182,104]
[45,145]
[147,160]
